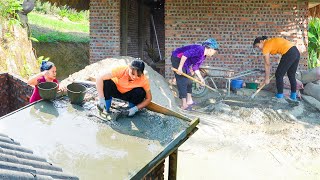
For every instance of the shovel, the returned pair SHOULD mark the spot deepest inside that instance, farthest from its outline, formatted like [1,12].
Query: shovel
[195,80]
[264,84]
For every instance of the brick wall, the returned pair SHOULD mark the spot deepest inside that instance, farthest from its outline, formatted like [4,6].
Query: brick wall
[133,28]
[147,30]
[14,93]
[4,94]
[235,24]
[158,15]
[19,92]
[105,35]
[104,29]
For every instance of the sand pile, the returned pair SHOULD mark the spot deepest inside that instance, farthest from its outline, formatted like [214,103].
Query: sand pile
[160,90]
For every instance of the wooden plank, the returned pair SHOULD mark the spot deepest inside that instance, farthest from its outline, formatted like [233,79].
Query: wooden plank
[160,109]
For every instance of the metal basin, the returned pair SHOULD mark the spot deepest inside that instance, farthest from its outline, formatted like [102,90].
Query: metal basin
[76,93]
[48,90]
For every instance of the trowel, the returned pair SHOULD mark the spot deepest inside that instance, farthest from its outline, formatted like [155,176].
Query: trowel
[104,115]
[115,115]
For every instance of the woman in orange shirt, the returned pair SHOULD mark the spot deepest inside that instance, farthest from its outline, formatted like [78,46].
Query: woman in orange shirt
[288,64]
[127,83]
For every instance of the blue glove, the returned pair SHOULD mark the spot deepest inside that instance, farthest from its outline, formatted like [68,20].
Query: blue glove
[133,110]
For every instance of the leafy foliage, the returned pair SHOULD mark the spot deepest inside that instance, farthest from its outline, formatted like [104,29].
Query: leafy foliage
[61,11]
[41,59]
[9,9]
[314,43]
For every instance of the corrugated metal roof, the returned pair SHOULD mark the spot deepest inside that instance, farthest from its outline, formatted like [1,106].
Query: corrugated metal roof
[17,162]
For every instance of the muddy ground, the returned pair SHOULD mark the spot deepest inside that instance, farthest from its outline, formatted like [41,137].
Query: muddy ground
[244,138]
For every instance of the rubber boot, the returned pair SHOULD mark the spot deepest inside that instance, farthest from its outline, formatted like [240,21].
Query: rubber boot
[279,96]
[293,96]
[111,115]
[108,105]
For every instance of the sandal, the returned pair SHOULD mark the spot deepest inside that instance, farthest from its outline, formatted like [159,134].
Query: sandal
[193,104]
[189,108]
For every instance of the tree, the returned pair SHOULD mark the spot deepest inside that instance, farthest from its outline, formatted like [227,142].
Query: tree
[314,43]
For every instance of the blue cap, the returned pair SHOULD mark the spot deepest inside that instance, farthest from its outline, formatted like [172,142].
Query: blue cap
[211,43]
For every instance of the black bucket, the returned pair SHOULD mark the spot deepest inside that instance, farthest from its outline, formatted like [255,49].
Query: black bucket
[76,93]
[48,90]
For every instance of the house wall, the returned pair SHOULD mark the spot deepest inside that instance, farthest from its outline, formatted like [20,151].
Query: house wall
[4,94]
[235,24]
[14,93]
[147,31]
[133,28]
[104,29]
[158,17]
[105,33]
[19,92]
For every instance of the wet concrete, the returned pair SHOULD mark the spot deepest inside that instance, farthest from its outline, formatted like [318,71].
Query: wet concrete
[88,147]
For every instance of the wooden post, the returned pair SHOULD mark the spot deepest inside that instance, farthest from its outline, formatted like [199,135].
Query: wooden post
[173,165]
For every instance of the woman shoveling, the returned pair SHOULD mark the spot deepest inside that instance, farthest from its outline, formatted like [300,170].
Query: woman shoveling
[288,64]
[186,57]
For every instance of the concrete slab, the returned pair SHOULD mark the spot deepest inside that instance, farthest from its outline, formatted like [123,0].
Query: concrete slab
[90,148]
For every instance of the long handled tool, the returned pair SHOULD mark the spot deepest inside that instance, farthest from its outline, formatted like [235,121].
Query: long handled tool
[160,109]
[253,95]
[195,80]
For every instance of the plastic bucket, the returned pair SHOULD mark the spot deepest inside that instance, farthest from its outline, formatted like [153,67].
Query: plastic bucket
[48,90]
[76,93]
[236,83]
[252,85]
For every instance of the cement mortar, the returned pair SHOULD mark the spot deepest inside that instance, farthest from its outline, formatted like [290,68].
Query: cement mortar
[258,139]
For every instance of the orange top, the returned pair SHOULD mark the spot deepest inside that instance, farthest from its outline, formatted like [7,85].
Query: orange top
[120,76]
[276,46]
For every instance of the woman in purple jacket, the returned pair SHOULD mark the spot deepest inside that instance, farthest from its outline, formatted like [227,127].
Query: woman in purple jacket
[187,57]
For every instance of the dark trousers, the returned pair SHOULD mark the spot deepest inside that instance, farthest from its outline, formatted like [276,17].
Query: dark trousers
[288,64]
[135,96]
[184,84]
